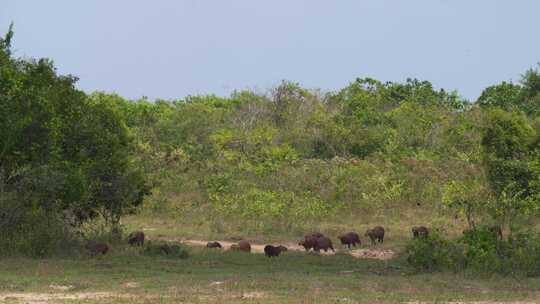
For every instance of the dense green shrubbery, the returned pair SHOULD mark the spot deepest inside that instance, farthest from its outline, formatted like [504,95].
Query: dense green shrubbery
[259,160]
[435,253]
[39,235]
[479,251]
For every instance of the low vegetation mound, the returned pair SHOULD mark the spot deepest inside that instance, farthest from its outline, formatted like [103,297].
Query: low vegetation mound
[165,249]
[479,251]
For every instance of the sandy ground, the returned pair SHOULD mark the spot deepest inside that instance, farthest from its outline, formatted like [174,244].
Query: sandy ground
[39,298]
[54,296]
[475,302]
[48,298]
[372,253]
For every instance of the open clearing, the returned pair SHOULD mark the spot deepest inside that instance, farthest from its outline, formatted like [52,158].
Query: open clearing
[366,274]
[221,276]
[372,253]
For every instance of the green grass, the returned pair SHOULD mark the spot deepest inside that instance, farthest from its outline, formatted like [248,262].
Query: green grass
[196,225]
[293,277]
[215,276]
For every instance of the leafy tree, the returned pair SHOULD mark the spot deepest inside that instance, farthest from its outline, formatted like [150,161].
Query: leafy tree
[117,185]
[468,198]
[531,83]
[64,157]
[505,95]
[507,143]
[531,91]
[515,97]
[287,98]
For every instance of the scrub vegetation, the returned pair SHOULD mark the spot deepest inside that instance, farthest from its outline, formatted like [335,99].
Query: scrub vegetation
[79,168]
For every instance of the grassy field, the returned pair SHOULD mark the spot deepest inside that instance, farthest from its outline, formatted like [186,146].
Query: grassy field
[194,225]
[125,275]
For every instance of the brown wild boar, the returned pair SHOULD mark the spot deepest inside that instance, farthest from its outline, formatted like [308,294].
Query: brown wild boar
[323,243]
[420,231]
[271,251]
[349,238]
[376,234]
[213,245]
[136,238]
[308,242]
[241,246]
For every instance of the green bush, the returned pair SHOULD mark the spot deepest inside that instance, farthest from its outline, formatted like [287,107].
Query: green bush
[483,250]
[166,250]
[435,253]
[525,253]
[479,251]
[38,234]
[520,254]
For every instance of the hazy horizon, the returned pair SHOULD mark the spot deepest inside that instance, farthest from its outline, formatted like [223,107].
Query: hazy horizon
[171,49]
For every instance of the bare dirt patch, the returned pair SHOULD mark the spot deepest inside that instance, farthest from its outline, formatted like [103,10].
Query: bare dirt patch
[253,295]
[60,297]
[255,248]
[380,254]
[61,287]
[475,302]
[42,298]
[130,285]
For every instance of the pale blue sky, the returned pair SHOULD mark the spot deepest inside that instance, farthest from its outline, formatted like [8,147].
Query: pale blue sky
[171,49]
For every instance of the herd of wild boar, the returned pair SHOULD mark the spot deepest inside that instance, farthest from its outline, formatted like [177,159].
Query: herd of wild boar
[315,241]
